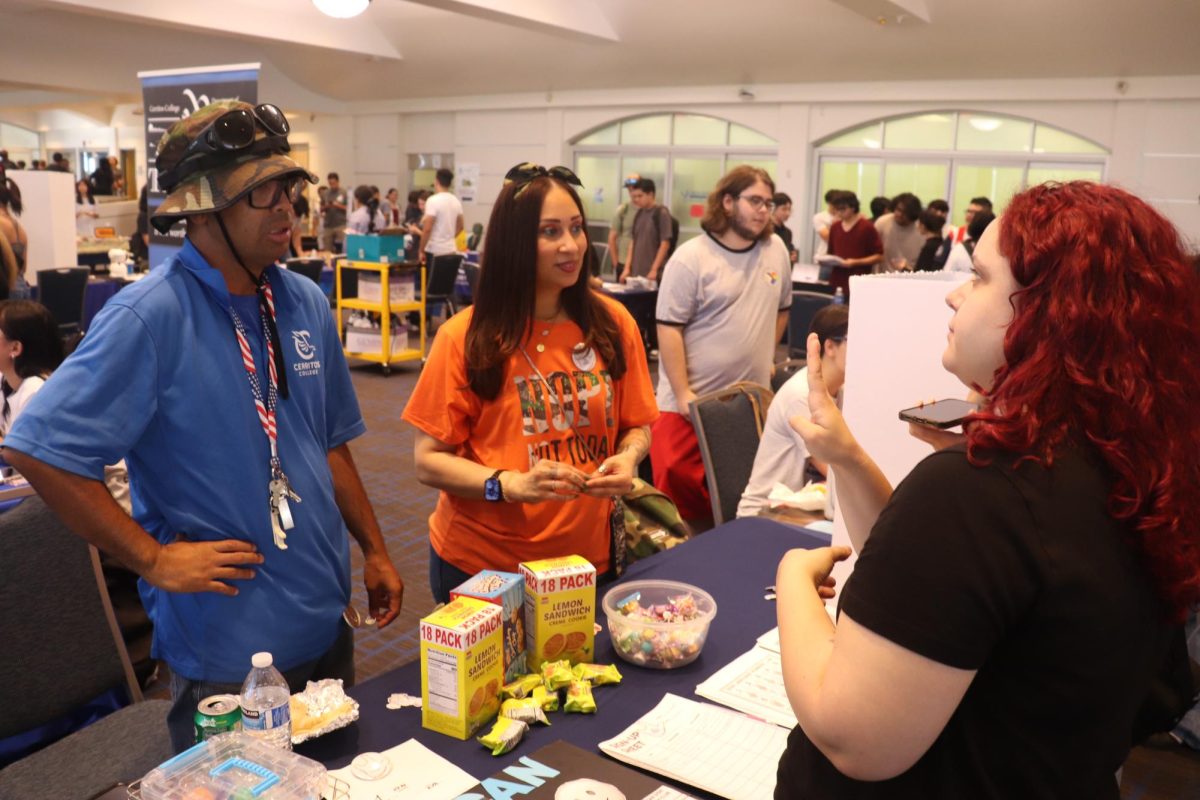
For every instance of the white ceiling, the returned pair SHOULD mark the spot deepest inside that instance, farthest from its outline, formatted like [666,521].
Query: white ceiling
[68,51]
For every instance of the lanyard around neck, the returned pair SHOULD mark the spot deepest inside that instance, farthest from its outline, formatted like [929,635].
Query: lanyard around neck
[263,403]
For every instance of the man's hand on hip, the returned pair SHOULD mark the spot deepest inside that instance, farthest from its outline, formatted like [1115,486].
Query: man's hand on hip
[185,566]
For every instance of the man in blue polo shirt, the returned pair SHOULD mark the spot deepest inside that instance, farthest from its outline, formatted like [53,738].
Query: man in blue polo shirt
[221,380]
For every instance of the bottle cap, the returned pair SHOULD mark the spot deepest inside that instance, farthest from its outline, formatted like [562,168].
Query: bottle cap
[261,660]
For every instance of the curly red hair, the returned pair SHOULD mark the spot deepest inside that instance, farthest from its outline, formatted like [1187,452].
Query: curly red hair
[1104,351]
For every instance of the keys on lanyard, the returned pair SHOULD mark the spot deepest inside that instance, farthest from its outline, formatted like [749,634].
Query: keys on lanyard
[281,514]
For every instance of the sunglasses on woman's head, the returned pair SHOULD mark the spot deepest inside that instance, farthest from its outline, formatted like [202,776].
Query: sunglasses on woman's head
[527,171]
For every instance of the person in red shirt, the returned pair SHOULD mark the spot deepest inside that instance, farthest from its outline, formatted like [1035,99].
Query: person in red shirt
[853,239]
[534,406]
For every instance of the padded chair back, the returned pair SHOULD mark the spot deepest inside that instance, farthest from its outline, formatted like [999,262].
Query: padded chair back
[308,267]
[472,271]
[61,291]
[62,644]
[805,306]
[729,424]
[785,370]
[475,237]
[439,283]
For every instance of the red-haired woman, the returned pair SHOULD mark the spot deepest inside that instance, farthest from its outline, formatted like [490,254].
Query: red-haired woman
[1013,597]
[533,408]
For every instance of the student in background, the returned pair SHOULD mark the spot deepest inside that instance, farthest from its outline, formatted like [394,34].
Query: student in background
[779,218]
[366,217]
[650,237]
[854,240]
[823,222]
[722,305]
[879,207]
[1016,594]
[85,209]
[620,229]
[959,259]
[898,231]
[30,349]
[782,454]
[930,225]
[442,221]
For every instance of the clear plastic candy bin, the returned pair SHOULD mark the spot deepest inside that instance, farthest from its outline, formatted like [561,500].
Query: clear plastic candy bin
[233,766]
[658,624]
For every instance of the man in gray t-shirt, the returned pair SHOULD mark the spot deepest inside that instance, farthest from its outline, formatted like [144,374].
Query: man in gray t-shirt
[722,305]
[902,242]
[651,238]
[333,211]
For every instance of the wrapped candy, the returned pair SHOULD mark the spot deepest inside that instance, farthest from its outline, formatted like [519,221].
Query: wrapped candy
[597,674]
[579,698]
[557,674]
[505,735]
[527,710]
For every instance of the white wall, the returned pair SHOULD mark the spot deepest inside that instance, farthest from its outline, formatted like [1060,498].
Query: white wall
[1150,125]
[49,219]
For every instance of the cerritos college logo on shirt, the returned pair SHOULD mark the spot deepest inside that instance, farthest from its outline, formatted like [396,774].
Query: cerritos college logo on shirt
[308,352]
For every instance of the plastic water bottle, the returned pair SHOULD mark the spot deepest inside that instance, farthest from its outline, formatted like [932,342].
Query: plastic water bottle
[839,297]
[266,714]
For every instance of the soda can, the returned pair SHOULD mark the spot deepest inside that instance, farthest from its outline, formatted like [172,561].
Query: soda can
[220,713]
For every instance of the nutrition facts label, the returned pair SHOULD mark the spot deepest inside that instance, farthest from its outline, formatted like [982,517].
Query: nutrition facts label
[443,682]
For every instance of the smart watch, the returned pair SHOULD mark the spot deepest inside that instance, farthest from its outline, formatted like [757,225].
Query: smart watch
[493,492]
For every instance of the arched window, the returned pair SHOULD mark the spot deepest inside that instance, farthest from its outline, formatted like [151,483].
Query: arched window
[684,154]
[955,155]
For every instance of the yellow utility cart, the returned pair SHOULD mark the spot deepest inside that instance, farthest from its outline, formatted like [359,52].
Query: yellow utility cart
[378,346]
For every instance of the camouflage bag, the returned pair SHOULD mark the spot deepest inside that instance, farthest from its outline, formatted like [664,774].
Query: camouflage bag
[652,522]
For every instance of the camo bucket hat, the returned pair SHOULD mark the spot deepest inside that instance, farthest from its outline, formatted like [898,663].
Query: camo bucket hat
[200,180]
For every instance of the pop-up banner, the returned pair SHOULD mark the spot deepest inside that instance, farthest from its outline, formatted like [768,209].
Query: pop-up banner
[171,95]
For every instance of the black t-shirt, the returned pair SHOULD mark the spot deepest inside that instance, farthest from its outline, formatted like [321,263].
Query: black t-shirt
[1021,575]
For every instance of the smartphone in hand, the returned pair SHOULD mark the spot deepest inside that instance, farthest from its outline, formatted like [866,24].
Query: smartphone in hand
[942,414]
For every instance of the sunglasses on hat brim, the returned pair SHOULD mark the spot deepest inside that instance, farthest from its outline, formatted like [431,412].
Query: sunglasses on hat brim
[231,132]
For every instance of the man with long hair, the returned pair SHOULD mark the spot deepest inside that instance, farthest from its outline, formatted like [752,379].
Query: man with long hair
[722,305]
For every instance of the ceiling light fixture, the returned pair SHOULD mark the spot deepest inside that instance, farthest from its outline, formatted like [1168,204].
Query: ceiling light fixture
[985,124]
[341,9]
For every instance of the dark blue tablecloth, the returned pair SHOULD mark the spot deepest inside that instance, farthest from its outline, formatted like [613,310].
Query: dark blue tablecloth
[641,304]
[98,292]
[732,562]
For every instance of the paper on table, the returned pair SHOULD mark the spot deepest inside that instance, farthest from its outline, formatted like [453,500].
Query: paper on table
[770,640]
[711,748]
[417,773]
[753,684]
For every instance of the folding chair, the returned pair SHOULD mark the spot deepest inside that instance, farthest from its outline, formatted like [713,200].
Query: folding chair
[729,424]
[60,662]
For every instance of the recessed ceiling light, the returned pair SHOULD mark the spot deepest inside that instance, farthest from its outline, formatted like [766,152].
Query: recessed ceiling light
[341,9]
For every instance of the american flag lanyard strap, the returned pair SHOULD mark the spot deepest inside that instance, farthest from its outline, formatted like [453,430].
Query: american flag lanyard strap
[280,490]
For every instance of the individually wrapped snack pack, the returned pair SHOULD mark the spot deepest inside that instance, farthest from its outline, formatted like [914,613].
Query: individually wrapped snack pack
[521,687]
[527,710]
[557,674]
[505,735]
[597,674]
[579,698]
[547,699]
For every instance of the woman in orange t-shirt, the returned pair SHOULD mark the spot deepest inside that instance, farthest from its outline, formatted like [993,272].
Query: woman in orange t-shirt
[534,406]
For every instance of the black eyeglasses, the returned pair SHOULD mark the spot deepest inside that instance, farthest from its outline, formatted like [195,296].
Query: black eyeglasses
[231,132]
[757,202]
[266,195]
[527,171]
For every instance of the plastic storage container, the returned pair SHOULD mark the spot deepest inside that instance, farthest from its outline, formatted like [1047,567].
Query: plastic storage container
[235,765]
[265,701]
[650,642]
